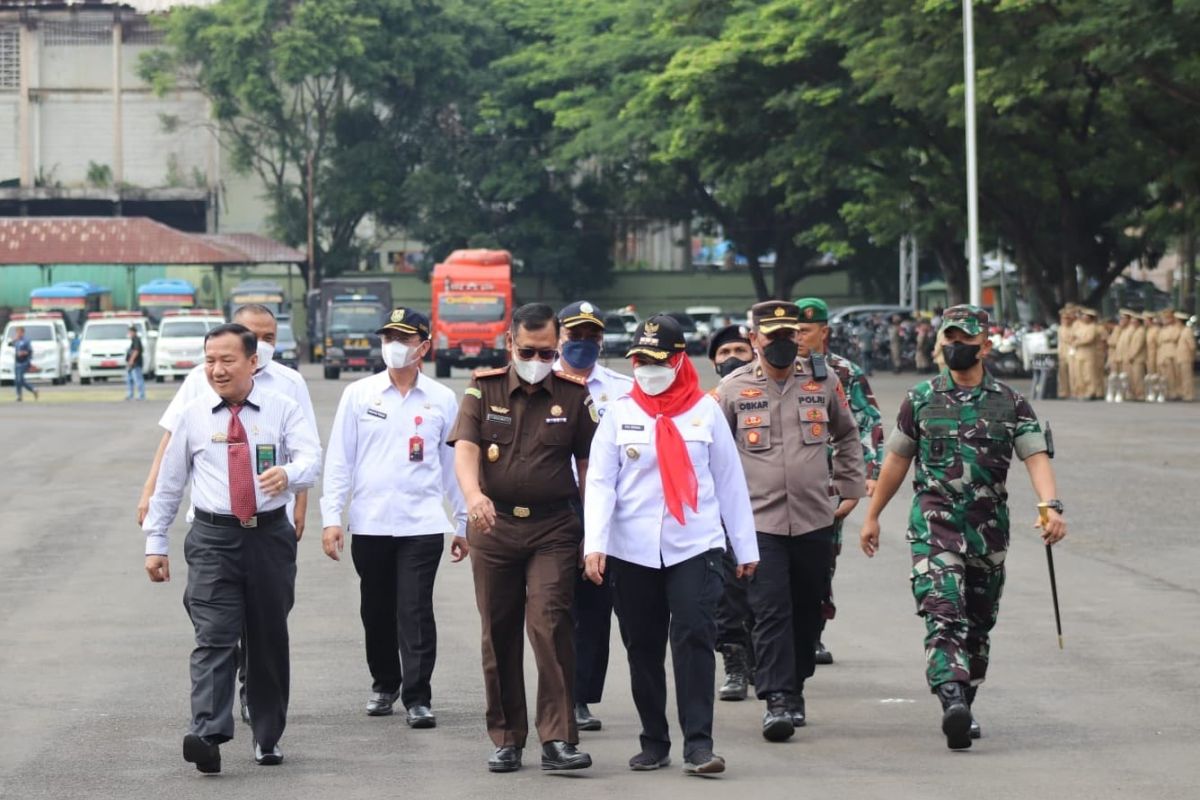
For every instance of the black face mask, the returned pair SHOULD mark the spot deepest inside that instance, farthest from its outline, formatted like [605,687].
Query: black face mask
[781,353]
[729,365]
[960,356]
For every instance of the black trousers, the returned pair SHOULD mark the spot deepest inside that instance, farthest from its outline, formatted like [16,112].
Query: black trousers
[735,620]
[396,575]
[592,612]
[241,584]
[787,594]
[676,604]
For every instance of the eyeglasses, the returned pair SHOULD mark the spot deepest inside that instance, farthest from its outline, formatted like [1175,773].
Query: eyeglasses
[527,354]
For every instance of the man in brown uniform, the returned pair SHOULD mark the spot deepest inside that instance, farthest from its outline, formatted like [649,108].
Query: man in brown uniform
[1152,377]
[1066,351]
[784,411]
[1085,334]
[1168,340]
[1185,358]
[1135,357]
[517,430]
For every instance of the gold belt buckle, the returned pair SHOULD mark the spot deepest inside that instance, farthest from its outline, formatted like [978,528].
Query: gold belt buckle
[521,511]
[250,523]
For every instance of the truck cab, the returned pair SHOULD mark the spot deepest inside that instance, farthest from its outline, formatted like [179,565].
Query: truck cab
[472,305]
[351,343]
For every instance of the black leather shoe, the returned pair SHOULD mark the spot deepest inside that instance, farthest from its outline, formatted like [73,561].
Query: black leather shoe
[505,759]
[796,709]
[380,704]
[956,715]
[822,656]
[420,716]
[584,720]
[206,755]
[976,731]
[267,758]
[777,725]
[645,762]
[245,712]
[562,755]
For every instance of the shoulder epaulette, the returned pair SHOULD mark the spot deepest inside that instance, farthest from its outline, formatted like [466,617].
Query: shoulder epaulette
[571,378]
[490,372]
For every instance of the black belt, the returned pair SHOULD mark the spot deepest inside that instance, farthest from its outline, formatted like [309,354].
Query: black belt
[538,511]
[229,521]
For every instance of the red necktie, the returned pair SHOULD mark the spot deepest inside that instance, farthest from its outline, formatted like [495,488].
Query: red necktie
[241,474]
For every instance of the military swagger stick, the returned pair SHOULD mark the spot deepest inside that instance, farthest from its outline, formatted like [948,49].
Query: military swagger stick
[1044,515]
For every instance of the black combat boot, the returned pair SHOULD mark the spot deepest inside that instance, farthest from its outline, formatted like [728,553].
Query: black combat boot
[777,723]
[736,667]
[956,715]
[976,731]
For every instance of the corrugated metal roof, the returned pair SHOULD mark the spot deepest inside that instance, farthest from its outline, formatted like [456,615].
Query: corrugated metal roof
[256,249]
[124,240]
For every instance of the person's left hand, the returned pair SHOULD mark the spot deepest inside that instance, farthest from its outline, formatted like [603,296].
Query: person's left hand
[273,481]
[746,570]
[459,549]
[299,525]
[845,507]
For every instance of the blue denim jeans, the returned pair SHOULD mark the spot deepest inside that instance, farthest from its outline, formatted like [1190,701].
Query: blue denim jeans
[19,381]
[134,378]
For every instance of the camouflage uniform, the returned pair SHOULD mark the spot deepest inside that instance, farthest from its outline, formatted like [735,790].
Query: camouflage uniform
[963,441]
[867,416]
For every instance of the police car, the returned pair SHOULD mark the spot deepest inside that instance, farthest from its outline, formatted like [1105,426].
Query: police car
[51,344]
[105,341]
[180,345]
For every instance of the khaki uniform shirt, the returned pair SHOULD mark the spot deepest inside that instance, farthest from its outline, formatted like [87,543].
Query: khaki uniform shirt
[527,434]
[782,434]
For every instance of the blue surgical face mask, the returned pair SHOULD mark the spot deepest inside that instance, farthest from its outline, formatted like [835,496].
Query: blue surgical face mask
[580,353]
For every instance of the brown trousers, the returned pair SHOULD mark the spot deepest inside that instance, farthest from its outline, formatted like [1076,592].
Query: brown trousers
[528,568]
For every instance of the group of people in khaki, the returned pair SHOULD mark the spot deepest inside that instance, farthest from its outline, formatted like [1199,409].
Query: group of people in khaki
[1146,356]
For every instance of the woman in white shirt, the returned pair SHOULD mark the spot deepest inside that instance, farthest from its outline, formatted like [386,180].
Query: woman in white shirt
[663,476]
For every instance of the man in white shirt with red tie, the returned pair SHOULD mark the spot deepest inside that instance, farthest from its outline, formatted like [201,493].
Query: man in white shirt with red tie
[388,454]
[243,451]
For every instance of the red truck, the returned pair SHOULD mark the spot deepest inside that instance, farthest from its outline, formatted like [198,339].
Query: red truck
[472,305]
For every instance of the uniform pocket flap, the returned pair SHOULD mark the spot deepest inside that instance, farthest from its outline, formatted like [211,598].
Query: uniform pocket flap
[814,414]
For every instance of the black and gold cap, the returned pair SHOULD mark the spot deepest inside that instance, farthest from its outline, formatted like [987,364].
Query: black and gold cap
[775,315]
[657,338]
[407,320]
[581,313]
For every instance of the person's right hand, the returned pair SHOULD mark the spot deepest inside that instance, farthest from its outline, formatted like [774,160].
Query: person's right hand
[143,507]
[593,567]
[868,539]
[158,568]
[481,514]
[333,539]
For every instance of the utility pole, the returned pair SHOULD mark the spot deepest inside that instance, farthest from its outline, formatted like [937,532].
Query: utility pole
[973,269]
[312,260]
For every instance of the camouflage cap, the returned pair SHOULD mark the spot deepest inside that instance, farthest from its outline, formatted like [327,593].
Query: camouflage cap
[971,320]
[813,309]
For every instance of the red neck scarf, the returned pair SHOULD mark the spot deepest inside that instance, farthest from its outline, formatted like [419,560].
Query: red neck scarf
[674,464]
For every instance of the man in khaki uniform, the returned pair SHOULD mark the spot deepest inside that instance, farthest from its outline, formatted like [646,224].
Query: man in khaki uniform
[1185,358]
[1066,351]
[1168,338]
[1135,357]
[1115,354]
[784,411]
[1153,328]
[1085,335]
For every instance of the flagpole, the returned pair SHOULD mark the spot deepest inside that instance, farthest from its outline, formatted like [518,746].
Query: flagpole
[973,267]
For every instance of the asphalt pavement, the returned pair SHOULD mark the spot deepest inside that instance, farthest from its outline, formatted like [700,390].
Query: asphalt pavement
[94,678]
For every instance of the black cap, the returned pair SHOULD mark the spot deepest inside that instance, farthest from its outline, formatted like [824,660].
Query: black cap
[657,338]
[773,315]
[406,320]
[581,313]
[730,333]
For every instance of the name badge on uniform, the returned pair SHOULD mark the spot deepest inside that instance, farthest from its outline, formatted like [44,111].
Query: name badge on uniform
[502,419]
[220,438]
[416,449]
[628,426]
[264,457]
[555,420]
[374,412]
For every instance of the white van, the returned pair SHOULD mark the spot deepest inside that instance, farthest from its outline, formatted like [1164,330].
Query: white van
[47,333]
[105,341]
[180,345]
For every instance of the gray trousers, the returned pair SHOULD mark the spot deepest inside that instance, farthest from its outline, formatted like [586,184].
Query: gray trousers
[241,584]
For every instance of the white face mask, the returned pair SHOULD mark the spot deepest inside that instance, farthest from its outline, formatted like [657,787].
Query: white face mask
[532,371]
[398,355]
[654,379]
[266,352]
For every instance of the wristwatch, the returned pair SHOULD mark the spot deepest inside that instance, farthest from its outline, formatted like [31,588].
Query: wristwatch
[1057,505]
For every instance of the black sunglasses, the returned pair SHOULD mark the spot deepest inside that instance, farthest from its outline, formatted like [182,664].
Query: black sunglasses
[527,353]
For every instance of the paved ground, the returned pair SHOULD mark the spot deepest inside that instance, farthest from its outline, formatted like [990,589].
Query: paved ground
[93,658]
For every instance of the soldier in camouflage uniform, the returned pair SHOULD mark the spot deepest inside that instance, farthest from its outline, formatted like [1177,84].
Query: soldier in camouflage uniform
[963,428]
[814,338]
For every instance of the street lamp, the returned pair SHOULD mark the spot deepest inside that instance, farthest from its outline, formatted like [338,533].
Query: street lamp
[973,268]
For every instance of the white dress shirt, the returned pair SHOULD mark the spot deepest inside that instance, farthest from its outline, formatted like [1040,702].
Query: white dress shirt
[625,512]
[198,453]
[368,460]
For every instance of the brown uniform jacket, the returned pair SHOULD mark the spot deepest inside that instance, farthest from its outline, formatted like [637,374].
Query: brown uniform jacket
[527,434]
[782,434]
